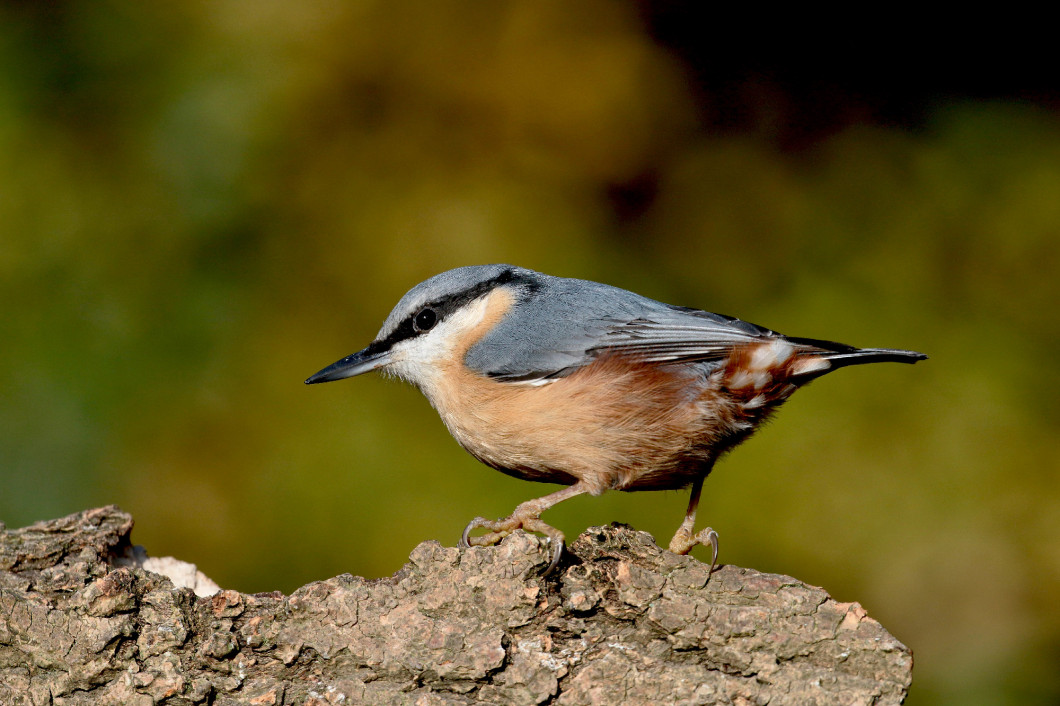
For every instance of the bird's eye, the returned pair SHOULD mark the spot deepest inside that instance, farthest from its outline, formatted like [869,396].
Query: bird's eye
[425,320]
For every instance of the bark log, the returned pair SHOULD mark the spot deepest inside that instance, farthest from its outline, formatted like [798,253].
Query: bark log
[622,622]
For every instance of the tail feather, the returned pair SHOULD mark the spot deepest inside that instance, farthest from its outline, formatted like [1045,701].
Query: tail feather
[872,355]
[840,355]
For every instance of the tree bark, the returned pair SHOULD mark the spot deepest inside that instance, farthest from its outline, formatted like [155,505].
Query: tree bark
[621,622]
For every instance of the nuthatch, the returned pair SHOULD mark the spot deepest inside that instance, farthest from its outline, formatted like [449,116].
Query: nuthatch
[594,387]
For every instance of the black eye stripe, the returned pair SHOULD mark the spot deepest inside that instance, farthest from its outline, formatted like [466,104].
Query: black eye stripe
[442,308]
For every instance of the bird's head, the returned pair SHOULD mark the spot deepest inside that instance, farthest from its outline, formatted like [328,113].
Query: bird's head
[430,323]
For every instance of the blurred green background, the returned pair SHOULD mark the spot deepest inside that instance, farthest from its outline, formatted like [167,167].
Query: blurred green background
[203,203]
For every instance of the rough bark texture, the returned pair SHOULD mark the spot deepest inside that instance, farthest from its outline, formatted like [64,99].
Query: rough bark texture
[622,622]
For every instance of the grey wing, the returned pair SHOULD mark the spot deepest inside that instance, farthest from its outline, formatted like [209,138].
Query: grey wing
[680,334]
[552,334]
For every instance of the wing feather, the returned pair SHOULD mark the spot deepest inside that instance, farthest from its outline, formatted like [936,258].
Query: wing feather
[561,325]
[678,335]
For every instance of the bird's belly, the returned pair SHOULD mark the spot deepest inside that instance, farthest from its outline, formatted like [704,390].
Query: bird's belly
[612,424]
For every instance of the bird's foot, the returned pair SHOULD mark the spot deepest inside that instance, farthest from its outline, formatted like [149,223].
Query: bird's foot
[684,540]
[520,519]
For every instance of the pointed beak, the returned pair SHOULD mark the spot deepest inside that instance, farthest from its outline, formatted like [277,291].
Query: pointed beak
[360,362]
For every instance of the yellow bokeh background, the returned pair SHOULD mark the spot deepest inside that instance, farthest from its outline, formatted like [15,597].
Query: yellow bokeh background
[203,203]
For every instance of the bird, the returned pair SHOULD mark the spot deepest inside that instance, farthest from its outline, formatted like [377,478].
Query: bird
[590,386]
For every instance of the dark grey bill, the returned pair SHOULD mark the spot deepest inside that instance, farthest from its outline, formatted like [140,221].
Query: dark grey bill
[360,362]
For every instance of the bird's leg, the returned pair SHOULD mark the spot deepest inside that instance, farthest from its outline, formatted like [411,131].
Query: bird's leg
[684,540]
[526,516]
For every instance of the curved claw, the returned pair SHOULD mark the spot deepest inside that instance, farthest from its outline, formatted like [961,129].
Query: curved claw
[557,553]
[464,542]
[712,540]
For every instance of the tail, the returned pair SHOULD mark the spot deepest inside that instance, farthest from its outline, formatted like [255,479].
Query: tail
[840,355]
